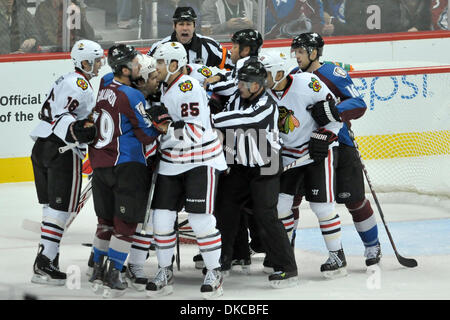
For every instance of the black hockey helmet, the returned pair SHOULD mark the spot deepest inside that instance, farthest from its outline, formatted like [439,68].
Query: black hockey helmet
[248,37]
[184,14]
[252,71]
[309,41]
[120,55]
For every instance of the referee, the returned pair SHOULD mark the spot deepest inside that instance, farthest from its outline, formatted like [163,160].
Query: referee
[254,174]
[200,49]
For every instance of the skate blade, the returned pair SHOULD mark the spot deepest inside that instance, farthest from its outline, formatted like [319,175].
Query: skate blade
[136,286]
[109,293]
[335,274]
[97,286]
[42,279]
[165,291]
[373,268]
[281,284]
[213,294]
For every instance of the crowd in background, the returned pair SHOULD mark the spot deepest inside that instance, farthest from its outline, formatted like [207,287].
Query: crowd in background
[27,26]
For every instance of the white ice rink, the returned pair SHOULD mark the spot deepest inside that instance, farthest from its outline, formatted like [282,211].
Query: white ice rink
[420,231]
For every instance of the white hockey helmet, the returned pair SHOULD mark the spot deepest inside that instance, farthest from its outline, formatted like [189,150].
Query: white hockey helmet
[148,65]
[169,52]
[275,62]
[86,50]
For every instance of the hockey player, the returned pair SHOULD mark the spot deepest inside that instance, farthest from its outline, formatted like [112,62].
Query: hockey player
[64,121]
[252,133]
[301,135]
[120,178]
[191,158]
[307,49]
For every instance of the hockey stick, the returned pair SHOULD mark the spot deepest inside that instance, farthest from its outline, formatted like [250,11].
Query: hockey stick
[406,262]
[68,146]
[297,162]
[177,258]
[149,201]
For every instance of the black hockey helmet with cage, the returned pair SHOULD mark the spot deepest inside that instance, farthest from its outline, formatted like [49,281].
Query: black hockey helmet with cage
[248,37]
[309,41]
[120,56]
[184,14]
[252,71]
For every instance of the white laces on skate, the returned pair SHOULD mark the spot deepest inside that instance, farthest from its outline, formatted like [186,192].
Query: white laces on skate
[333,259]
[137,270]
[372,252]
[163,276]
[212,278]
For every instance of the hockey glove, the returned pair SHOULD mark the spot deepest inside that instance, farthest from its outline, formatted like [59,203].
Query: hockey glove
[324,112]
[160,118]
[319,142]
[82,131]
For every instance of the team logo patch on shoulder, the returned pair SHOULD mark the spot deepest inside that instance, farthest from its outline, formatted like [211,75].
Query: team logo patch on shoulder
[339,72]
[185,86]
[205,71]
[315,85]
[82,83]
[287,122]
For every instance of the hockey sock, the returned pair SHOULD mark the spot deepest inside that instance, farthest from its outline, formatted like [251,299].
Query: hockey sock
[330,224]
[164,235]
[52,230]
[296,212]
[102,238]
[120,244]
[208,238]
[141,245]
[365,222]
[285,214]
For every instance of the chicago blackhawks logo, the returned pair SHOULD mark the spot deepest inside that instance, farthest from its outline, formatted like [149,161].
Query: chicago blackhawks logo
[286,120]
[315,85]
[185,86]
[82,83]
[205,71]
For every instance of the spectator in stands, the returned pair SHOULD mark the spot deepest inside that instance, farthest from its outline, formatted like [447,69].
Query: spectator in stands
[165,10]
[18,31]
[334,14]
[125,13]
[371,16]
[229,16]
[415,15]
[439,14]
[286,19]
[49,19]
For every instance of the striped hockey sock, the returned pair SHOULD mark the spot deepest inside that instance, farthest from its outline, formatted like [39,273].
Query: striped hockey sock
[52,230]
[330,224]
[139,248]
[210,246]
[165,244]
[365,222]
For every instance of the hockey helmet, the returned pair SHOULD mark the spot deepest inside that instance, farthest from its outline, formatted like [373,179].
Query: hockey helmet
[86,50]
[274,63]
[309,41]
[148,65]
[248,37]
[252,71]
[184,14]
[169,52]
[120,56]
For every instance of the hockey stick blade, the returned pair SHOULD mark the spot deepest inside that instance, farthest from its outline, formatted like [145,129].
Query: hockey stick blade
[407,262]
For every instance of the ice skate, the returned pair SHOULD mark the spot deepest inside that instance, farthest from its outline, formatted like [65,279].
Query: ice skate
[136,277]
[45,271]
[161,285]
[212,285]
[241,265]
[373,255]
[97,275]
[90,268]
[113,285]
[198,260]
[283,279]
[335,266]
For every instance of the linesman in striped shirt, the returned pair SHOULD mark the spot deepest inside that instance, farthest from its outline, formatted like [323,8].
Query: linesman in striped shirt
[251,134]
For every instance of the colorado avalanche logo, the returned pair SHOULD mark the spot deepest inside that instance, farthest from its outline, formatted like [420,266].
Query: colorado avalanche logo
[205,71]
[82,83]
[315,85]
[286,120]
[185,86]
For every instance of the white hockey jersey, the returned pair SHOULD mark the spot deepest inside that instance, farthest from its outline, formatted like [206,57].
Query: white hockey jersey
[196,144]
[71,98]
[295,122]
